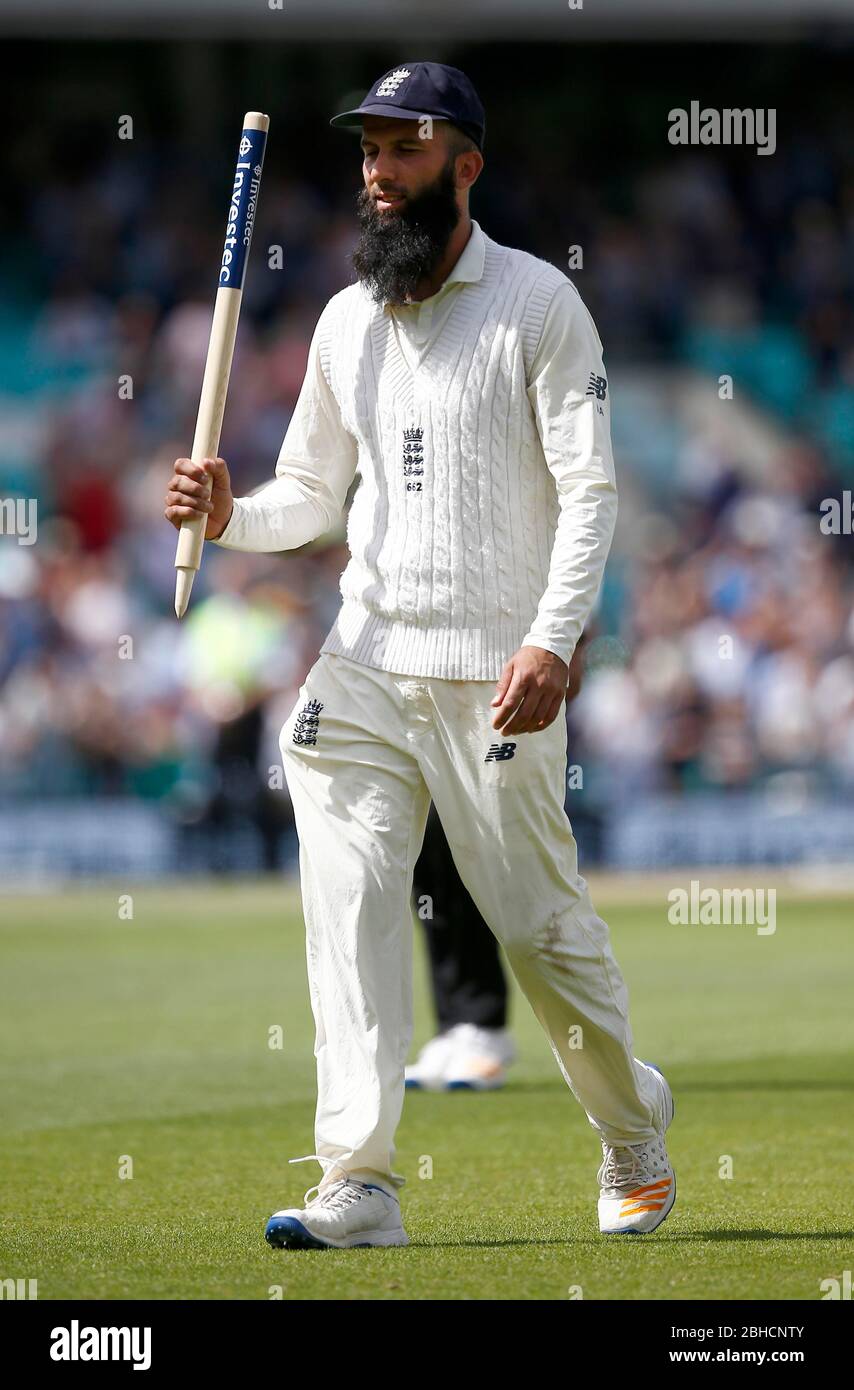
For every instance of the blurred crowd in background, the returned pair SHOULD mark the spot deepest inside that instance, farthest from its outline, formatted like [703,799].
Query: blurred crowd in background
[722,653]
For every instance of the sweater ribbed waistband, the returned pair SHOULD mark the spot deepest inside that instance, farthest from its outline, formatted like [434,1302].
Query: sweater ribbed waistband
[409,649]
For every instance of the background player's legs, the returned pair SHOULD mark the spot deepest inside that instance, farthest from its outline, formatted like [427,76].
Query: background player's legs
[506,824]
[469,985]
[472,1048]
[360,806]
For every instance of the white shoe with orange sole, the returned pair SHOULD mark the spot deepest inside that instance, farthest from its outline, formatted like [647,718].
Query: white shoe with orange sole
[636,1181]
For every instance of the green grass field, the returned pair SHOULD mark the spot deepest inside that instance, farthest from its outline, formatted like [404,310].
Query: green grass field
[149,1038]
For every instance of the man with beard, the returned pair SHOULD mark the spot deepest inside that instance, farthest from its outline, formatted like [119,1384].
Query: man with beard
[463,381]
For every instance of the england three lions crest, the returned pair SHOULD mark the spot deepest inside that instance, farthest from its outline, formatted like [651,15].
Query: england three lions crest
[413,458]
[307,723]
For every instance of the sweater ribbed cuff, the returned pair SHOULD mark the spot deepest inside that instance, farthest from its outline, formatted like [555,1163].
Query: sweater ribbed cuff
[231,536]
[559,647]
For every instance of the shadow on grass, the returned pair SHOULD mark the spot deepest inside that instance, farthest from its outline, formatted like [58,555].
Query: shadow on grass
[605,1241]
[534,1088]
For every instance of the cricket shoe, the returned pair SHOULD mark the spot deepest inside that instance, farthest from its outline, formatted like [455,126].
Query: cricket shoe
[637,1183]
[427,1072]
[465,1058]
[338,1215]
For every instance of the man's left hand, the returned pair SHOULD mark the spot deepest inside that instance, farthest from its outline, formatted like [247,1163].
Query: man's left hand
[530,691]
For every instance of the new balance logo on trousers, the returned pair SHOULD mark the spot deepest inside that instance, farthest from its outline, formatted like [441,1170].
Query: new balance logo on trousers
[500,752]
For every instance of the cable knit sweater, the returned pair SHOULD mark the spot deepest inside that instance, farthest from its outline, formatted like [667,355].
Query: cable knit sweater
[478,422]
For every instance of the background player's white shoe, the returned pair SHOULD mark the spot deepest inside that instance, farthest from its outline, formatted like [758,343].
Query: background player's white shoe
[637,1183]
[465,1058]
[341,1215]
[427,1072]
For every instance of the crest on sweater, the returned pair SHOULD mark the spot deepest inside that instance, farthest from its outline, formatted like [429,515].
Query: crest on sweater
[413,457]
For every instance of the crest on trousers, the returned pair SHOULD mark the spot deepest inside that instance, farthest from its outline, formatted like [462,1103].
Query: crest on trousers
[413,452]
[307,722]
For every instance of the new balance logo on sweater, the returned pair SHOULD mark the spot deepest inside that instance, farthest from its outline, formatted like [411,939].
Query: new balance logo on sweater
[307,722]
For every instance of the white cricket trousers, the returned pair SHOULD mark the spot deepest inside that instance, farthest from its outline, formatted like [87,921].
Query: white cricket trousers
[364,751]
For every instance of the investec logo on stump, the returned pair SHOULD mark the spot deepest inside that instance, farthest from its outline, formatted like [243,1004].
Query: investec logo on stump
[241,212]
[76,1343]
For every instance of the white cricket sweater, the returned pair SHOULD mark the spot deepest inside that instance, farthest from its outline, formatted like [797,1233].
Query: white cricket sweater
[478,422]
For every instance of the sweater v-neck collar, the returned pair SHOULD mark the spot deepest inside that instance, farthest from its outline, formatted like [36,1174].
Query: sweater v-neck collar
[468,269]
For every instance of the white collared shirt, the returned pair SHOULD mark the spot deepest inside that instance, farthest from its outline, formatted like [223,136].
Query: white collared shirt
[419,323]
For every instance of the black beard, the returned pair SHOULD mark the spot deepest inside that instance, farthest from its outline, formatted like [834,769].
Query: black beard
[397,250]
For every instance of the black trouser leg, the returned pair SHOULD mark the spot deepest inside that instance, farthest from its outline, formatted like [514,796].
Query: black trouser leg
[468,979]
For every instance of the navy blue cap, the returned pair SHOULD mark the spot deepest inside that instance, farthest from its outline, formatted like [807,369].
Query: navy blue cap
[413,90]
